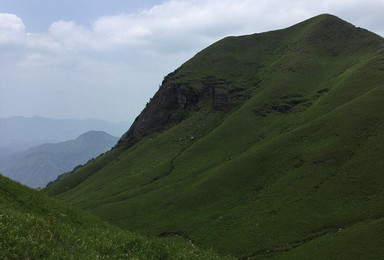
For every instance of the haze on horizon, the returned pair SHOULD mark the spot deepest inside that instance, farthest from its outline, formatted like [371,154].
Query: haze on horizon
[104,60]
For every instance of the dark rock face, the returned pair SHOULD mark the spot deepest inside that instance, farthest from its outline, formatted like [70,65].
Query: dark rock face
[170,105]
[222,102]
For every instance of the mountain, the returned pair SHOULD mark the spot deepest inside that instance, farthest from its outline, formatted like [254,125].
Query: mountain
[20,133]
[34,226]
[38,165]
[265,146]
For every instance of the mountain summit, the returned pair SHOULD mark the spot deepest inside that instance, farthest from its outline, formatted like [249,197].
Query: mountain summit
[227,73]
[263,146]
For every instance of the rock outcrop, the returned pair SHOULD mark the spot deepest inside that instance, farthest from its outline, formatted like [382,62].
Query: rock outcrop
[170,105]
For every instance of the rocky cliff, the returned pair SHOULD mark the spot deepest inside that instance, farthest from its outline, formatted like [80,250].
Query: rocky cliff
[172,102]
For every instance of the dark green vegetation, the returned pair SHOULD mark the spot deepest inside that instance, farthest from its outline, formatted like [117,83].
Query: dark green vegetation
[266,146]
[34,226]
[41,164]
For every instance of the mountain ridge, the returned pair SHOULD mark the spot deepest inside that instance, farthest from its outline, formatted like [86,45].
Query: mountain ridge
[183,98]
[271,140]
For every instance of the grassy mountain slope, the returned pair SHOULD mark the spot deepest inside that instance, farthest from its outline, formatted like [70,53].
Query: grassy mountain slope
[34,226]
[38,165]
[269,146]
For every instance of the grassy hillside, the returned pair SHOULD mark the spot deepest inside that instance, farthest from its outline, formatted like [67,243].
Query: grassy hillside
[276,150]
[34,226]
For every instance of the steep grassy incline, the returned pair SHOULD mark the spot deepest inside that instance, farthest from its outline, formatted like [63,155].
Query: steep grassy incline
[270,145]
[33,226]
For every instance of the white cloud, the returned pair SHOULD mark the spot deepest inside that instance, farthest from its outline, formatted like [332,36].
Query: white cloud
[43,42]
[72,36]
[12,29]
[181,25]
[121,29]
[128,53]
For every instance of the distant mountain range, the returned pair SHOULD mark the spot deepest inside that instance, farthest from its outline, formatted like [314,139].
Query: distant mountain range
[20,133]
[38,165]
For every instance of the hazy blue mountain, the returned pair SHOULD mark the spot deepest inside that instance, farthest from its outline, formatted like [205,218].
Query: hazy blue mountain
[38,165]
[20,133]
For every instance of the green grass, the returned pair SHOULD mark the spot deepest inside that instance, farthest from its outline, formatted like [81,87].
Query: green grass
[34,226]
[259,181]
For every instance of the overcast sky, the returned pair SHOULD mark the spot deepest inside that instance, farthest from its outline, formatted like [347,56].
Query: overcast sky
[105,59]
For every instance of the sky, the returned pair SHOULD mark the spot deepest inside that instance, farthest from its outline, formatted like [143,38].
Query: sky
[103,59]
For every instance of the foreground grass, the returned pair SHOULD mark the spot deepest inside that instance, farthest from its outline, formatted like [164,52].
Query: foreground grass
[33,226]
